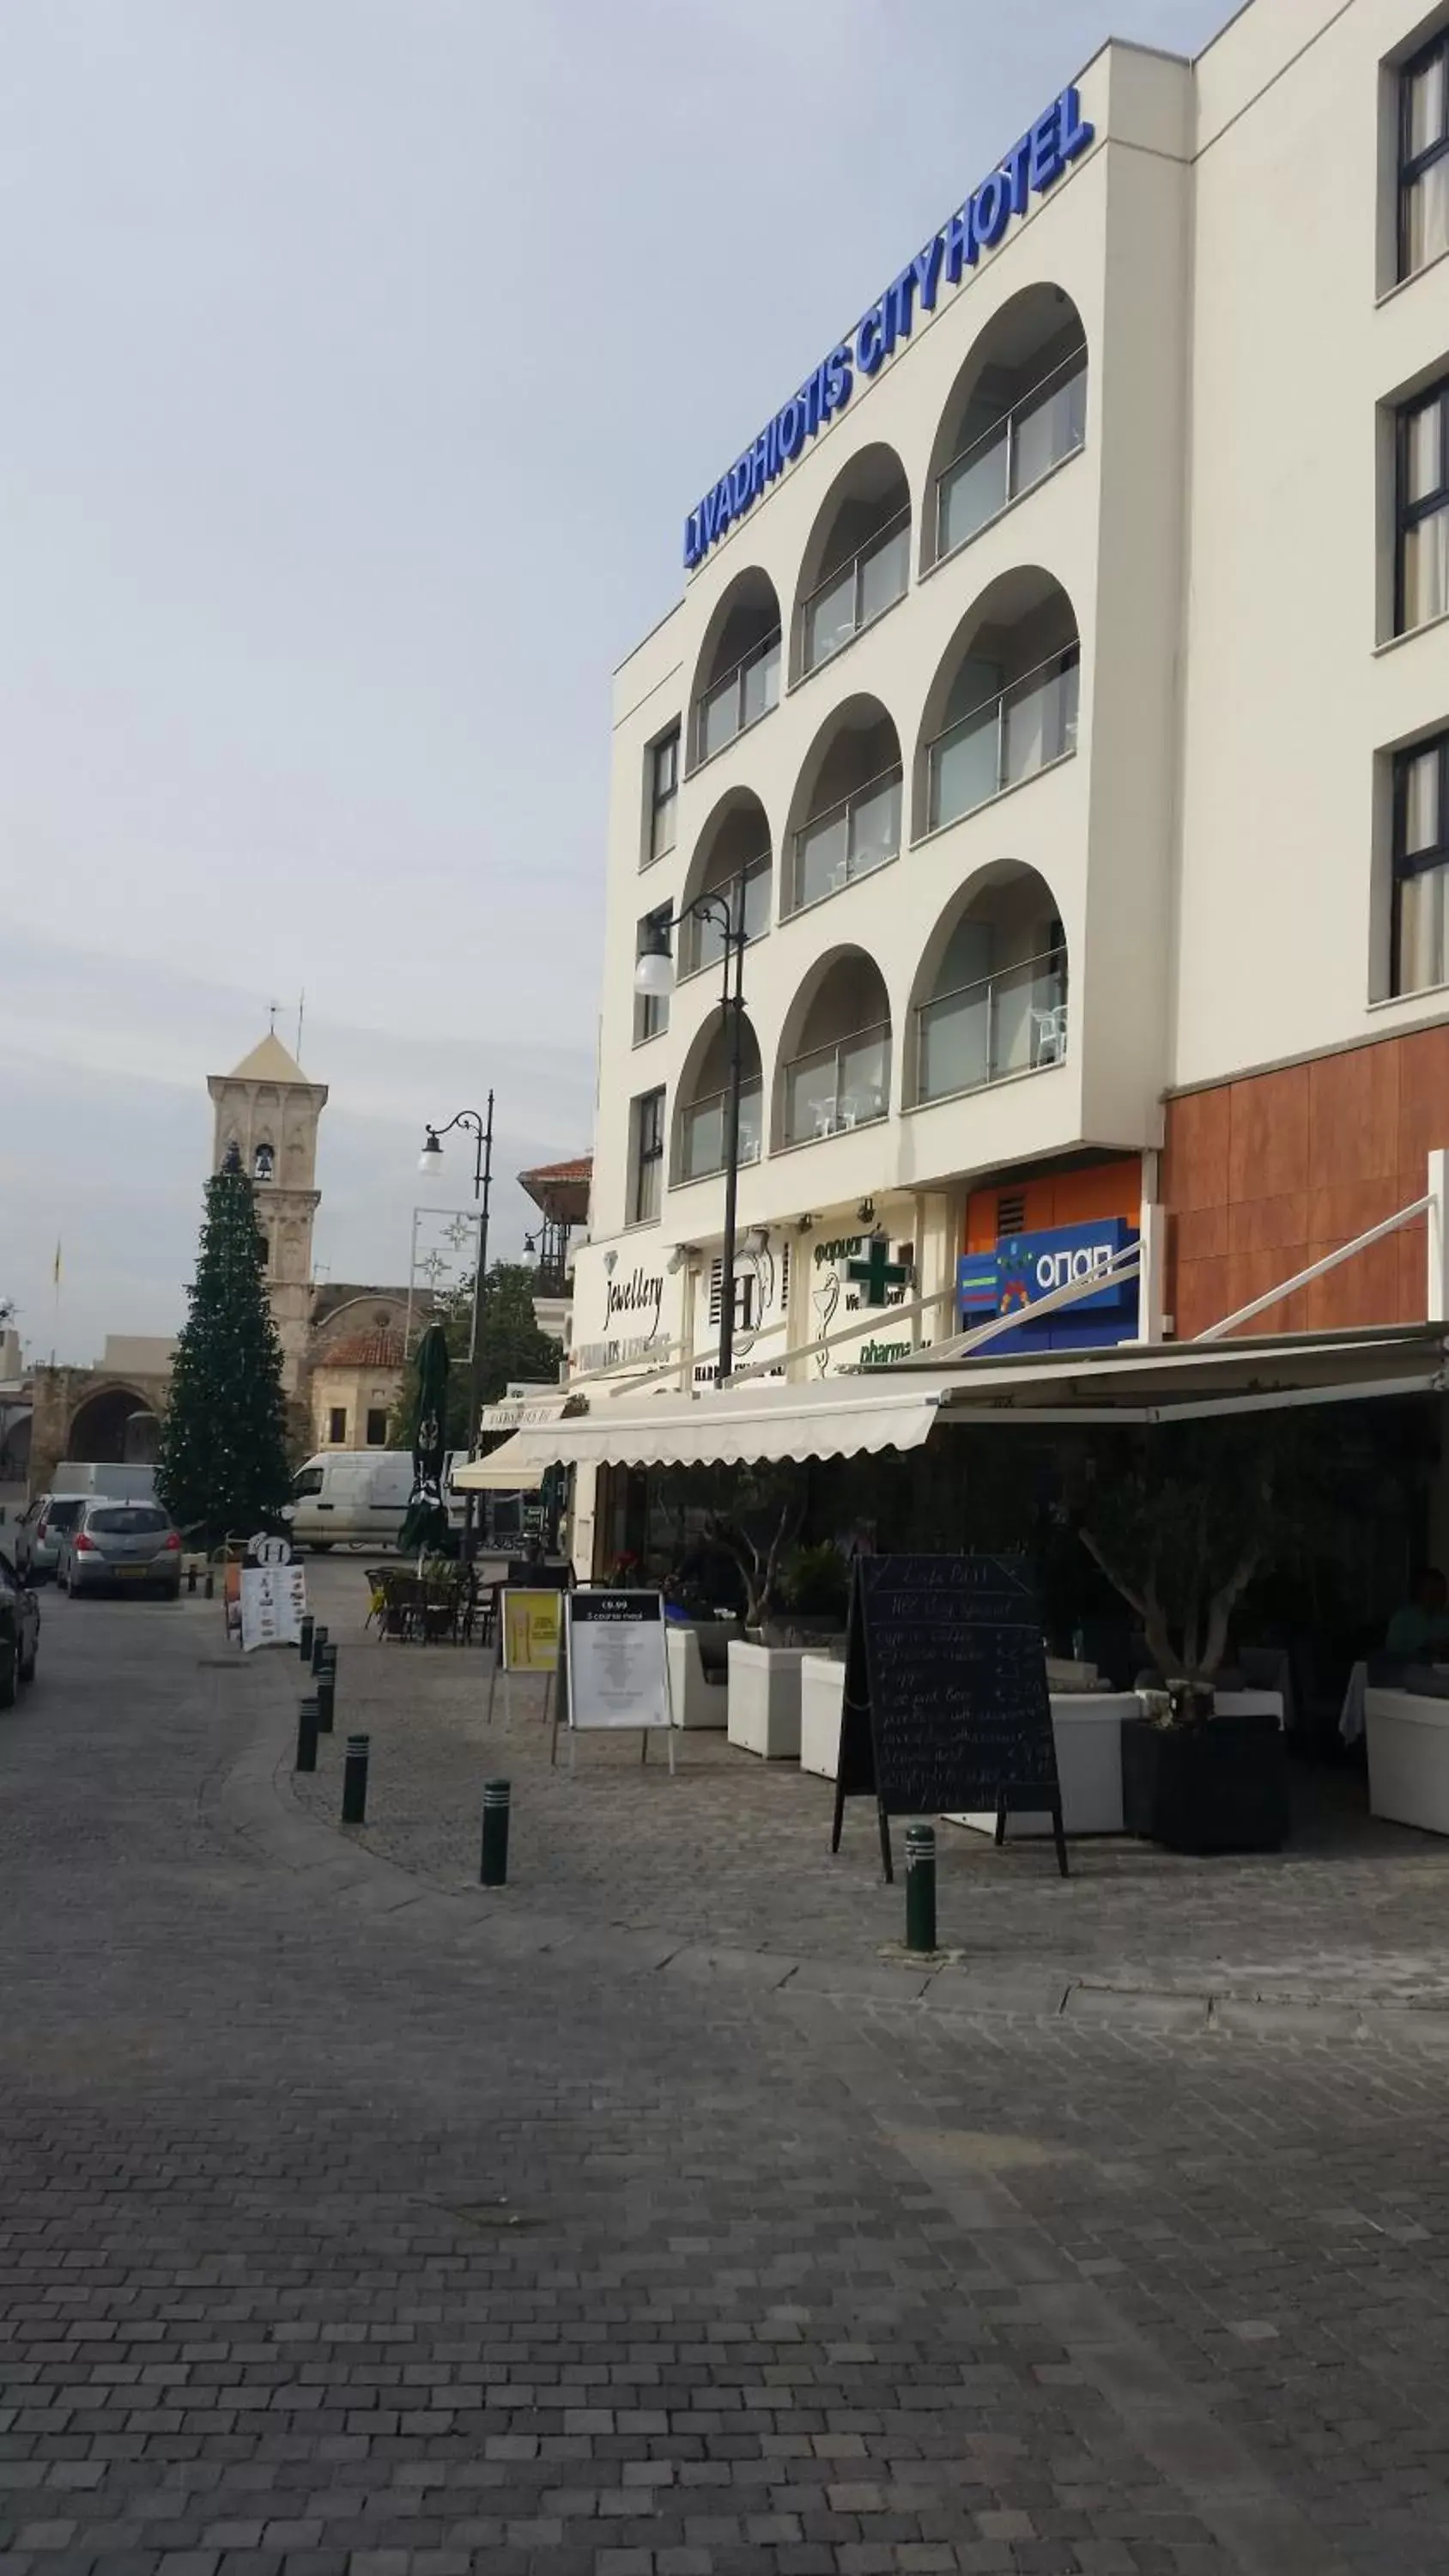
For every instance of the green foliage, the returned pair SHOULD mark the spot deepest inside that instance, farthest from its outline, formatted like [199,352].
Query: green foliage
[510,1347]
[222,1466]
[1182,1516]
[752,1512]
[815,1582]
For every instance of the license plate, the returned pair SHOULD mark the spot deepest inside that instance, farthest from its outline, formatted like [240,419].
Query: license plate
[138,1570]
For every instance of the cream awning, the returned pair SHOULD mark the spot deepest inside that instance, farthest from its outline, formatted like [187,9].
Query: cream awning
[488,1475]
[833,1420]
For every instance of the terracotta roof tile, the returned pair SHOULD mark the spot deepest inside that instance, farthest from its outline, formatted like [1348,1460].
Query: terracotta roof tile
[380,1350]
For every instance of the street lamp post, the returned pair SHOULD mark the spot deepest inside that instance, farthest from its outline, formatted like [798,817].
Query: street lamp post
[480,1127]
[654,981]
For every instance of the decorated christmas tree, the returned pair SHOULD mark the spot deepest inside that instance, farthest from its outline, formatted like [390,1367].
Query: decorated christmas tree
[222,1468]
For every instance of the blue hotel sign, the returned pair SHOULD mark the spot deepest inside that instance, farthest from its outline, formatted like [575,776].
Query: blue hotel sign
[1032,166]
[1026,1267]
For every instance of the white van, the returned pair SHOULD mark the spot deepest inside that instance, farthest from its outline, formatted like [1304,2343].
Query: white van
[347,1497]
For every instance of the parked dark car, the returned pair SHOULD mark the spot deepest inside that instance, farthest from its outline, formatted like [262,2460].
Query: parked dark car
[19,1632]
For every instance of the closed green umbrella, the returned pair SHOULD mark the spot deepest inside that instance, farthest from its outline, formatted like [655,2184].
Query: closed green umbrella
[425,1522]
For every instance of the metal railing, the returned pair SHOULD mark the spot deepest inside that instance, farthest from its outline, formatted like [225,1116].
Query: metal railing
[859,590]
[1044,426]
[747,894]
[840,1086]
[848,840]
[702,1132]
[1013,1022]
[738,700]
[1007,738]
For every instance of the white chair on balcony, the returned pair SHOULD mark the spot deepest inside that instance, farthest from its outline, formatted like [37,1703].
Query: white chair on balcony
[1049,1035]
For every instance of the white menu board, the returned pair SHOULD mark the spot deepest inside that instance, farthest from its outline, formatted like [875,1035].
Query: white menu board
[273,1605]
[617,1672]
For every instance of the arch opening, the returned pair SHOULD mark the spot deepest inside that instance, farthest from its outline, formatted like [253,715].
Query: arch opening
[991,993]
[112,1428]
[702,1104]
[1004,703]
[1017,410]
[738,677]
[858,561]
[734,863]
[836,1054]
[846,817]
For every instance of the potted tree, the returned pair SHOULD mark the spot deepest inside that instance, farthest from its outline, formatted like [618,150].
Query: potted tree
[1180,1518]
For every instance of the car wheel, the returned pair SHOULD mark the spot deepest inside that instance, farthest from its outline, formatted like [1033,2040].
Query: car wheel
[9,1672]
[171,1592]
[323,1546]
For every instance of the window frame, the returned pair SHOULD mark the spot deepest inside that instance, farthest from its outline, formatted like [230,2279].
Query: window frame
[1409,515]
[1407,864]
[670,742]
[337,1413]
[651,1010]
[1412,166]
[375,1413]
[643,1159]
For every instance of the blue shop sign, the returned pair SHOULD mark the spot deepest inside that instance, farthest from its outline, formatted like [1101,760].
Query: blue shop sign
[1027,1267]
[1060,135]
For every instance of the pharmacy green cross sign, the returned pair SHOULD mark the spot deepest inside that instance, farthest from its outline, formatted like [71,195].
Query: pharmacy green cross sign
[877,1274]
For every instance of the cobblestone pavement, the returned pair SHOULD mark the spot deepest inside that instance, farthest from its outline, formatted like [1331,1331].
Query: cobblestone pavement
[736,1851]
[346,2232]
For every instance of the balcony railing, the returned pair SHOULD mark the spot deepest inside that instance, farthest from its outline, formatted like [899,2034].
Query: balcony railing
[1006,739]
[1047,425]
[1014,1022]
[840,1086]
[738,700]
[747,895]
[847,840]
[857,592]
[702,1132]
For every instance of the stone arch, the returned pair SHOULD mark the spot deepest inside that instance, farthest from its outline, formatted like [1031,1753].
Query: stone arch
[113,1425]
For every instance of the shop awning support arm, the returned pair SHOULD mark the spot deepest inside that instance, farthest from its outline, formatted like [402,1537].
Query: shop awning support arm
[1431,1205]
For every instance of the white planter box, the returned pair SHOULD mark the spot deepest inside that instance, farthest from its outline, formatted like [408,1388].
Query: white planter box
[694,1698]
[764,1700]
[822,1692]
[1087,1726]
[1408,1759]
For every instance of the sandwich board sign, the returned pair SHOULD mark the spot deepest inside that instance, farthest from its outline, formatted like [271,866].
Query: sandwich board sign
[616,1669]
[528,1640]
[945,1707]
[273,1605]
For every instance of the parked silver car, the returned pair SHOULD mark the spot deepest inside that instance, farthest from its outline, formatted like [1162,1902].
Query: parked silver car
[121,1546]
[40,1536]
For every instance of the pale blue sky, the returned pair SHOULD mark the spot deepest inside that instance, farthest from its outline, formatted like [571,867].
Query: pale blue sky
[362,360]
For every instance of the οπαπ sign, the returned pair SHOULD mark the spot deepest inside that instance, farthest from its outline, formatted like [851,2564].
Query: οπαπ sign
[617,1673]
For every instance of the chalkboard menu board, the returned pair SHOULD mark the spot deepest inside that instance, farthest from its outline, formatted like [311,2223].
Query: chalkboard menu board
[945,1705]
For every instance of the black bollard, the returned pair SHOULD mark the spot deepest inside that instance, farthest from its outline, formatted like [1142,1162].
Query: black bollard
[319,1640]
[191,1576]
[210,1586]
[304,1637]
[326,1698]
[306,1735]
[354,1780]
[497,1795]
[921,1887]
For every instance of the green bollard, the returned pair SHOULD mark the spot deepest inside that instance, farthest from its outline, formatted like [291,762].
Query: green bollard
[354,1780]
[497,1795]
[304,1637]
[319,1640]
[306,1735]
[921,1888]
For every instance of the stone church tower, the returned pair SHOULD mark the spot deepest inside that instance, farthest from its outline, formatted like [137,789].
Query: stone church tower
[269,1110]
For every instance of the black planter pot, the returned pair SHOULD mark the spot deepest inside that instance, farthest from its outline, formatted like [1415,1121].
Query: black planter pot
[1219,1787]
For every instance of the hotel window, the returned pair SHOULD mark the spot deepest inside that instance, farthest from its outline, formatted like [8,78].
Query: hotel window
[337,1423]
[663,795]
[646,1158]
[1424,157]
[651,1010]
[1422,573]
[1421,866]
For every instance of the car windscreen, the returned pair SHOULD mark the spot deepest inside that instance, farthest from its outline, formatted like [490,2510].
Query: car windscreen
[138,1523]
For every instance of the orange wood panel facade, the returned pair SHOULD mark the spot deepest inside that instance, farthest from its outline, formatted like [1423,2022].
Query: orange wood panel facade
[1057,1198]
[1263,1176]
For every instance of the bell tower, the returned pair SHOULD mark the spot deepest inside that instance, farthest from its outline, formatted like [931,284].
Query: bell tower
[269,1110]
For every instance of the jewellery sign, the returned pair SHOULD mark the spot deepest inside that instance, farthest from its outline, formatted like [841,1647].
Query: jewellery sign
[640,1317]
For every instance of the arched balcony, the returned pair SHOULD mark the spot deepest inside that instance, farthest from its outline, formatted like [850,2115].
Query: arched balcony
[702,1099]
[1017,409]
[1004,702]
[990,997]
[732,862]
[858,561]
[845,820]
[737,680]
[835,1068]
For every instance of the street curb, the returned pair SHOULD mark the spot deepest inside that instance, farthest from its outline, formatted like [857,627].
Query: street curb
[254,1792]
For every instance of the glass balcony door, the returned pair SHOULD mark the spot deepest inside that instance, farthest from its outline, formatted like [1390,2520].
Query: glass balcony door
[1043,428]
[871,582]
[739,700]
[838,1087]
[702,1133]
[1006,740]
[1011,1022]
[849,840]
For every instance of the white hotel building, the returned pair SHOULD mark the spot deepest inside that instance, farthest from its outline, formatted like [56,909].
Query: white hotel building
[1069,715]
